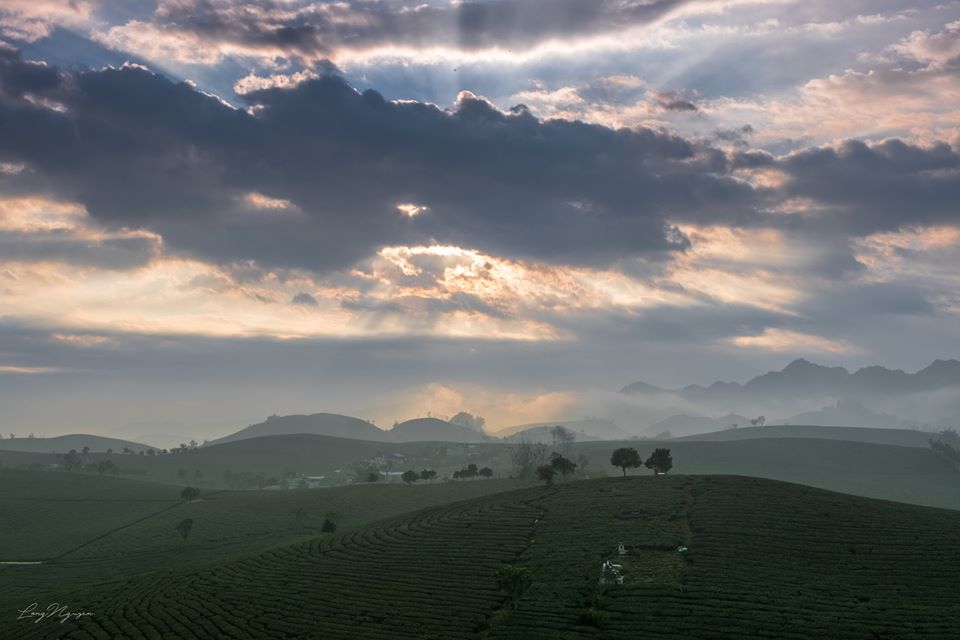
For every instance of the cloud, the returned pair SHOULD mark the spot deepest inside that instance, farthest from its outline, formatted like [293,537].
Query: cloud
[206,31]
[139,151]
[34,19]
[304,299]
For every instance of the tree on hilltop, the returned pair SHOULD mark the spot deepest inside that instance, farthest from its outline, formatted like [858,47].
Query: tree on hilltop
[625,458]
[660,461]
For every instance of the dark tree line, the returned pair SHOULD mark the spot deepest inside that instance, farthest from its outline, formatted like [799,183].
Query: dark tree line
[660,461]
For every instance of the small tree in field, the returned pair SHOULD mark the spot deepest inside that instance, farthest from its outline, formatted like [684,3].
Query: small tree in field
[190,493]
[410,476]
[183,528]
[328,526]
[513,581]
[428,474]
[486,472]
[660,461]
[625,457]
[373,476]
[545,473]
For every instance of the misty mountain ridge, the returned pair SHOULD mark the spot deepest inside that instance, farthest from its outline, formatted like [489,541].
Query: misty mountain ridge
[802,378]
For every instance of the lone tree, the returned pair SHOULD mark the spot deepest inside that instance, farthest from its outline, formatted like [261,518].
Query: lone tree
[513,581]
[486,472]
[328,526]
[373,476]
[410,476]
[660,461]
[428,474]
[183,528]
[562,465]
[190,493]
[625,457]
[545,473]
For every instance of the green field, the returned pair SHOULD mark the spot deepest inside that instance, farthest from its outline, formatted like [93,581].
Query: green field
[765,559]
[89,530]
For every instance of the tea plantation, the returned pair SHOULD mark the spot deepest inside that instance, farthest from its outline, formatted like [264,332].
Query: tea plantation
[716,557]
[88,530]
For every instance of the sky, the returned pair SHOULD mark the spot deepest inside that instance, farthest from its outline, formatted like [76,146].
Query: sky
[215,210]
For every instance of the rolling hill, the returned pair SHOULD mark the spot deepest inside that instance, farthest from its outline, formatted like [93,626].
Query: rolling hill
[434,430]
[63,444]
[593,429]
[723,558]
[318,424]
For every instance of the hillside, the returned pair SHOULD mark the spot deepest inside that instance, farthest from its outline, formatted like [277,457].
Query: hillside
[593,429]
[761,559]
[434,430]
[896,437]
[318,424]
[90,529]
[63,444]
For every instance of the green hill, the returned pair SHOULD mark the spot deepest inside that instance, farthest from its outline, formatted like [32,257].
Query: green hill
[897,437]
[762,559]
[63,444]
[434,430]
[320,424]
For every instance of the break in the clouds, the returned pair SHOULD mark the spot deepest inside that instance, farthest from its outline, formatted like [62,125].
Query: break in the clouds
[590,191]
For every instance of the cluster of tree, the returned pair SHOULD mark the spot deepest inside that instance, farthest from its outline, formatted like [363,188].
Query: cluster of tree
[660,461]
[471,471]
[759,421]
[947,444]
[190,493]
[557,465]
[412,476]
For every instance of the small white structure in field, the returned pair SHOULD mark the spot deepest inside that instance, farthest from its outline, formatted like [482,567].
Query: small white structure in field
[611,573]
[621,550]
[682,549]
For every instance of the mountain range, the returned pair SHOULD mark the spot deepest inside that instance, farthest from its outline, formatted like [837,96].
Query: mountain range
[802,378]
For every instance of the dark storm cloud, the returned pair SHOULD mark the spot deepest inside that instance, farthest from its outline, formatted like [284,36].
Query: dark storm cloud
[140,151]
[320,29]
[879,187]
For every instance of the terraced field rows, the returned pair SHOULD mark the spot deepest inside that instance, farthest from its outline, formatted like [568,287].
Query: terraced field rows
[765,560]
[430,576]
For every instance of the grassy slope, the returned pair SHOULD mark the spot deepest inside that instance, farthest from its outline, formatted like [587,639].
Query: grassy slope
[92,530]
[765,559]
[896,437]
